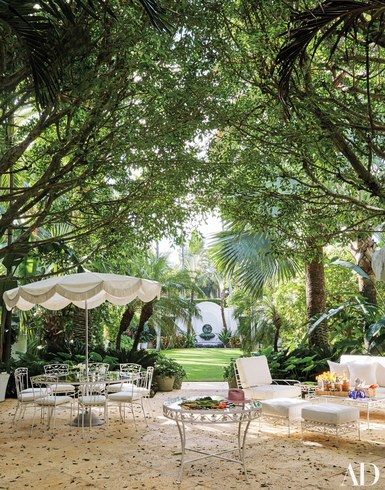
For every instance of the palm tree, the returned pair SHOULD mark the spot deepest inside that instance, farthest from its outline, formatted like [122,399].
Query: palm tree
[330,18]
[162,313]
[41,28]
[248,257]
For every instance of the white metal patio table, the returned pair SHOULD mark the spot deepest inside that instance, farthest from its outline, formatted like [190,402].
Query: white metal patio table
[241,414]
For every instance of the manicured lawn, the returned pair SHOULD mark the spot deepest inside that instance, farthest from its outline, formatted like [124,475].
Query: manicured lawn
[203,364]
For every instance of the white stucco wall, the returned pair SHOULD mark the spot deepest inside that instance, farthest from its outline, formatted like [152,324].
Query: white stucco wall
[211,315]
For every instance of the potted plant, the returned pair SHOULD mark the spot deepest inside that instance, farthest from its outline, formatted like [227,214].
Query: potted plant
[4,377]
[165,373]
[179,375]
[229,374]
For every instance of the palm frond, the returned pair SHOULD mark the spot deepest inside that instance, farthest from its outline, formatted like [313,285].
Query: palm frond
[329,18]
[38,26]
[156,14]
[249,258]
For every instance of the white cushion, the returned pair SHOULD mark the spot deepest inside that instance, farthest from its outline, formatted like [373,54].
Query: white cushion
[36,391]
[124,396]
[365,371]
[63,388]
[53,400]
[115,388]
[26,397]
[288,408]
[379,360]
[330,413]
[92,400]
[341,369]
[253,371]
[380,392]
[380,374]
[272,391]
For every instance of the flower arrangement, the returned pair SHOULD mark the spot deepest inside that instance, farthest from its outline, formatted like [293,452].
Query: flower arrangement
[328,381]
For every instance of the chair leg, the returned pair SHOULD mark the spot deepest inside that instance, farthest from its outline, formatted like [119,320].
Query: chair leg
[106,414]
[33,420]
[144,414]
[14,415]
[133,415]
[82,421]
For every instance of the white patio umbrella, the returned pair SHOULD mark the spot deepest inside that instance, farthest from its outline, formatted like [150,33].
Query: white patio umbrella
[85,290]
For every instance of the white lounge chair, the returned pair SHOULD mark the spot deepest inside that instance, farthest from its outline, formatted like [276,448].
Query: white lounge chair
[253,376]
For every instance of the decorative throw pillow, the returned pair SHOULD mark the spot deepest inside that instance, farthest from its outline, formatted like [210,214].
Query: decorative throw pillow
[380,374]
[365,371]
[341,369]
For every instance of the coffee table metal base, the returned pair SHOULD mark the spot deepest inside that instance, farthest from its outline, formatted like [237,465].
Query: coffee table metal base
[240,449]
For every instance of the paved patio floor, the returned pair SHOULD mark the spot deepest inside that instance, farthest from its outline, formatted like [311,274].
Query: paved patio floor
[118,457]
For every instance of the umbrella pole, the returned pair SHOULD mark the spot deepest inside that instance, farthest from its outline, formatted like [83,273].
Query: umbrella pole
[86,308]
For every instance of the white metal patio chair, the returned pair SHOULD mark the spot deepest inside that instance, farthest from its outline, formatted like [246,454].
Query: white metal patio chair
[60,370]
[139,389]
[24,393]
[99,369]
[254,377]
[47,400]
[92,394]
[129,372]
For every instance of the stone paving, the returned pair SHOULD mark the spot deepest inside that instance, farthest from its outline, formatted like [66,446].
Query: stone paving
[118,457]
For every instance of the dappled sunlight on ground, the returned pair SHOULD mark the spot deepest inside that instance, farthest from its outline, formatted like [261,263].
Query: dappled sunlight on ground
[117,457]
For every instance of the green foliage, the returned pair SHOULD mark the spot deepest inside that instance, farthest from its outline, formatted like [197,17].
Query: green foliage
[166,366]
[229,371]
[248,256]
[225,337]
[303,363]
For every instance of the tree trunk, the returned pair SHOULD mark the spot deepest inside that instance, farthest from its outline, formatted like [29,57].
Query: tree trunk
[145,315]
[277,322]
[316,299]
[190,329]
[79,325]
[362,251]
[224,295]
[124,325]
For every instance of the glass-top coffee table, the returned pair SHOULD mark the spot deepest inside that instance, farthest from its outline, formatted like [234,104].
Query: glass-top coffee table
[237,413]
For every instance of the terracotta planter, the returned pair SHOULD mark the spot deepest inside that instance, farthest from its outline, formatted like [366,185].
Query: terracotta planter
[177,384]
[165,383]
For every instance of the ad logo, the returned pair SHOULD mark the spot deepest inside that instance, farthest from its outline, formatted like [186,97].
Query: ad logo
[363,477]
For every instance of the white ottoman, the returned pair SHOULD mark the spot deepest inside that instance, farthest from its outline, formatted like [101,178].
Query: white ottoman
[286,410]
[331,418]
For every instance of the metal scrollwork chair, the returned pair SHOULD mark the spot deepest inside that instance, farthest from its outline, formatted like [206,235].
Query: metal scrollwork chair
[134,393]
[92,394]
[47,400]
[60,370]
[129,372]
[24,392]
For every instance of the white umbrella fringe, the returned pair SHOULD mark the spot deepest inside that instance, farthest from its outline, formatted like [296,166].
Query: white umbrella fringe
[85,290]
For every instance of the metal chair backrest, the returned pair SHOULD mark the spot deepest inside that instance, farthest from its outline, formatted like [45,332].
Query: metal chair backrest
[99,368]
[56,369]
[128,369]
[44,385]
[92,388]
[145,379]
[21,379]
